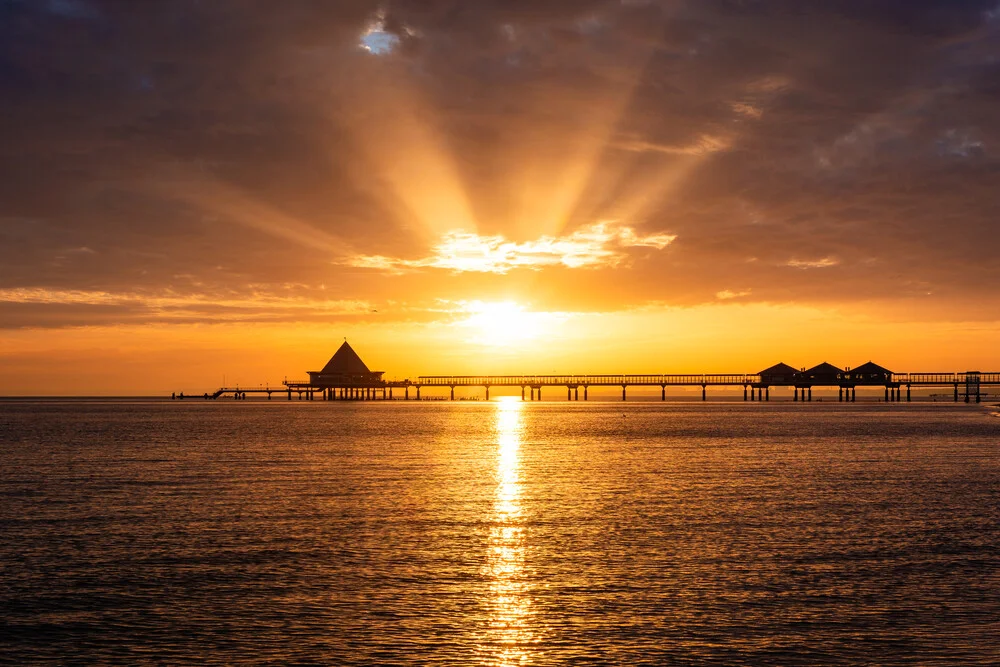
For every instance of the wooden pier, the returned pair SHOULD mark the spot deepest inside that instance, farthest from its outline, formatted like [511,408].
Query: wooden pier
[967,385]
[346,378]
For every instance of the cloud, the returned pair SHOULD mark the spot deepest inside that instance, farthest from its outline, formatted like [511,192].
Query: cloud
[198,148]
[703,145]
[602,244]
[40,307]
[823,263]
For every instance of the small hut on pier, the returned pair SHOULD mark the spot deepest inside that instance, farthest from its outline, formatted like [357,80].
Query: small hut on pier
[823,375]
[779,374]
[870,373]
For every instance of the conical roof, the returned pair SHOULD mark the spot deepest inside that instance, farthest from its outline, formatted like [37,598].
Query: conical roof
[779,369]
[345,362]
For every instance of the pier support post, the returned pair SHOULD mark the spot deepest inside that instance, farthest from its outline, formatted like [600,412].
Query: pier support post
[539,393]
[810,394]
[663,392]
[406,393]
[532,393]
[886,394]
[487,392]
[418,392]
[569,393]
[978,396]
[745,393]
[796,394]
[956,393]
[907,393]
[585,392]
[841,395]
[453,392]
[390,393]
[854,394]
[576,393]
[767,393]
[623,392]
[522,392]
[704,394]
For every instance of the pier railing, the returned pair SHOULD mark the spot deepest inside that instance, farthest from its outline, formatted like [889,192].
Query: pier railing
[582,380]
[701,379]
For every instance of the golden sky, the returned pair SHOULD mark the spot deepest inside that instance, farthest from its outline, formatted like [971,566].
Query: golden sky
[198,191]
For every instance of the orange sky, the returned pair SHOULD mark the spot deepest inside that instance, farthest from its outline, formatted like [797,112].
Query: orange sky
[157,359]
[497,188]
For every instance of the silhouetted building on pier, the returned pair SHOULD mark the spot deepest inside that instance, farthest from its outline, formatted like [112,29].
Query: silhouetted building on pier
[824,374]
[779,374]
[345,369]
[870,373]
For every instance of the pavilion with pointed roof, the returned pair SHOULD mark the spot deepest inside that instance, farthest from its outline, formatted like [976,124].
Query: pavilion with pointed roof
[345,369]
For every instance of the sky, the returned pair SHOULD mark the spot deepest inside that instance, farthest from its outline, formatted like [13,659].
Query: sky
[196,192]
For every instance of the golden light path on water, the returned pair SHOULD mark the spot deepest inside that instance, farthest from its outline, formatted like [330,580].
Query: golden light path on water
[509,633]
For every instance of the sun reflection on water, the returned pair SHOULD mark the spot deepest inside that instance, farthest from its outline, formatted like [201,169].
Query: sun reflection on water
[510,602]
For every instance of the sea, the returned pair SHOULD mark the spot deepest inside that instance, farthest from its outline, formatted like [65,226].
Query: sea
[498,533]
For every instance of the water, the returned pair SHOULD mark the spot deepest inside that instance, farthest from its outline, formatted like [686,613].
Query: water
[499,533]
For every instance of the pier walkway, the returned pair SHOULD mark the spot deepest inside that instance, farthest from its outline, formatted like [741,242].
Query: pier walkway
[968,385]
[346,377]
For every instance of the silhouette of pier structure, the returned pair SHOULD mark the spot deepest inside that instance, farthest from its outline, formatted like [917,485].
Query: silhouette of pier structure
[346,377]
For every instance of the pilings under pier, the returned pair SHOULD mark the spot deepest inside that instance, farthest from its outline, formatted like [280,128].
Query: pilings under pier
[756,387]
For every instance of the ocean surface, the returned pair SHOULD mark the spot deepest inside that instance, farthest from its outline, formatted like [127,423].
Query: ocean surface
[500,533]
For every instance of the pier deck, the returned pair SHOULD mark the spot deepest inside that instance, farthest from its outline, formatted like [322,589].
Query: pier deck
[968,385]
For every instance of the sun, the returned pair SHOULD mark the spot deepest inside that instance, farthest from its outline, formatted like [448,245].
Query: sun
[504,323]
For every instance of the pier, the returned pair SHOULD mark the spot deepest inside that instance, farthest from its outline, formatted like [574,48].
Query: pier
[346,378]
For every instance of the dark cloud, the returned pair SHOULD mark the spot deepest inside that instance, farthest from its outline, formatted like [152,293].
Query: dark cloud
[805,152]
